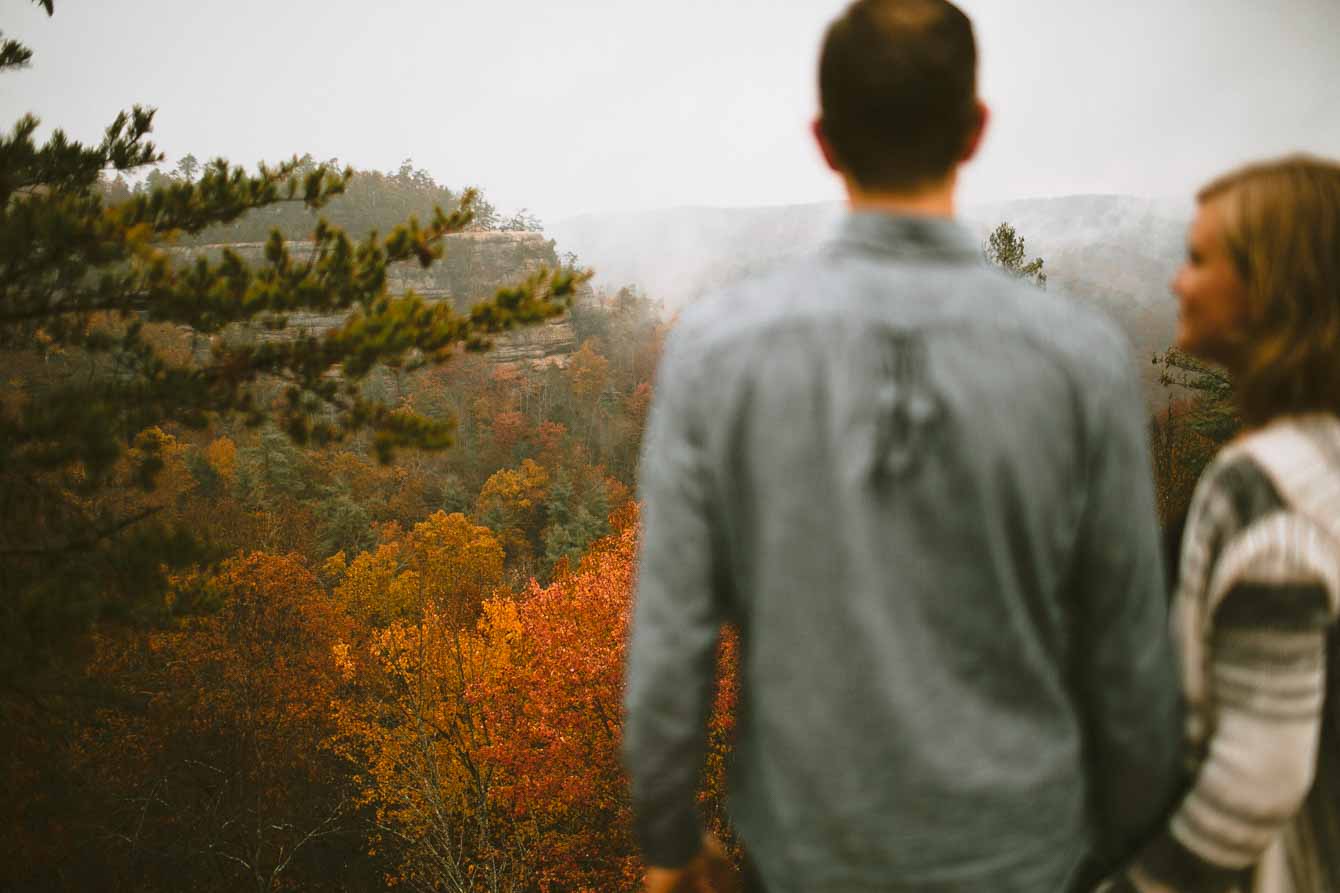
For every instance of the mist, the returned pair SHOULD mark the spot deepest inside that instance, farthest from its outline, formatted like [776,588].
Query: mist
[602,106]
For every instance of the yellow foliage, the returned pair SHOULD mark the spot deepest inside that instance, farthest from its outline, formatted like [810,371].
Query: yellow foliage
[222,457]
[409,723]
[515,493]
[445,562]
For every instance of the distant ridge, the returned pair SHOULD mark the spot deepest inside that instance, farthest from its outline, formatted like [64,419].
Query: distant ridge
[1118,252]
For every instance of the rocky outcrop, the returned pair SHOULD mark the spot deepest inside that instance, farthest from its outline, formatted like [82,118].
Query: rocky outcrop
[473,266]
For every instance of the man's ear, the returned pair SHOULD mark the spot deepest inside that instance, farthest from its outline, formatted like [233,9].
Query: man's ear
[978,132]
[817,128]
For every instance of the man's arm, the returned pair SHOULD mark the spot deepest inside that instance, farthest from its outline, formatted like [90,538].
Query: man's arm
[1127,685]
[676,622]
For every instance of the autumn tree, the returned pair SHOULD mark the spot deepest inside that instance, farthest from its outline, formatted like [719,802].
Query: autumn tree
[446,562]
[555,715]
[207,767]
[1004,248]
[83,282]
[490,752]
[414,735]
[512,502]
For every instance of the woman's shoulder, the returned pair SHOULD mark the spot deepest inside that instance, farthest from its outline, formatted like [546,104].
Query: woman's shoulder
[1263,495]
[1259,519]
[1295,458]
[1235,491]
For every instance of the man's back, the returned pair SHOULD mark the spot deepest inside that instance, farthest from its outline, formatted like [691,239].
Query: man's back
[919,488]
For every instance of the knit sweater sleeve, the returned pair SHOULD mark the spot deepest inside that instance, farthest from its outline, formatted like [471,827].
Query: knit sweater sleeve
[1271,599]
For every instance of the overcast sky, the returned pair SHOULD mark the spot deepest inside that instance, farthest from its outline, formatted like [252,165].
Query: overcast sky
[596,105]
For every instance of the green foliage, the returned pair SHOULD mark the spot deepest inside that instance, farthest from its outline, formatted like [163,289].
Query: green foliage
[207,480]
[1190,430]
[187,167]
[574,522]
[1005,249]
[454,497]
[1214,413]
[105,331]
[345,525]
[523,221]
[273,468]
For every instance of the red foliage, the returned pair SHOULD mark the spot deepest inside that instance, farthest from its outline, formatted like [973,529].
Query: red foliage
[557,723]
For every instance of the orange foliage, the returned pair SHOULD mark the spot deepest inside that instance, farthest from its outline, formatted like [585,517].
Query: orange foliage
[555,715]
[509,427]
[221,454]
[493,751]
[637,403]
[549,437]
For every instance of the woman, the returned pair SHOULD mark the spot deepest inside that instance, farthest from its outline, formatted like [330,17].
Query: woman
[1259,579]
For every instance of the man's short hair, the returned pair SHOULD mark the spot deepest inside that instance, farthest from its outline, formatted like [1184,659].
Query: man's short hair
[898,91]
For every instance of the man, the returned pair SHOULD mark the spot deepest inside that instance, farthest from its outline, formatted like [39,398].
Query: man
[920,489]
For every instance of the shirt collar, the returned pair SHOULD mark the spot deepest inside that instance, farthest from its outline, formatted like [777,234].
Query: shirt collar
[906,236]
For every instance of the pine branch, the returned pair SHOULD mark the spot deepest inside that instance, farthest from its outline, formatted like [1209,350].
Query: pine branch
[14,55]
[89,541]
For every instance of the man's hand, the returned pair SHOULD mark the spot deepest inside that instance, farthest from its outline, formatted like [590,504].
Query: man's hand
[710,871]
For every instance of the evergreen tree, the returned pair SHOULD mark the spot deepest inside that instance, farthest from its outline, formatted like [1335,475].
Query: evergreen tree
[106,332]
[574,522]
[1214,413]
[188,166]
[1005,249]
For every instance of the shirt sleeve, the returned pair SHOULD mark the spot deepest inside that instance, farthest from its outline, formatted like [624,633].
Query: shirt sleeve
[1128,692]
[676,622]
[1273,599]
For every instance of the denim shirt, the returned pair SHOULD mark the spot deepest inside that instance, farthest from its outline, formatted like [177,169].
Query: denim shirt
[921,490]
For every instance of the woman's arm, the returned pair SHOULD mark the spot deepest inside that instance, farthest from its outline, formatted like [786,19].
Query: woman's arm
[1267,676]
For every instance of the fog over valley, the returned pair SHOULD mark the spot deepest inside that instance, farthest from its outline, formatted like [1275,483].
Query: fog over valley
[1116,252]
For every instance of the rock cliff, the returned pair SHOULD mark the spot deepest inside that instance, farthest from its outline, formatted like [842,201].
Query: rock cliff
[472,267]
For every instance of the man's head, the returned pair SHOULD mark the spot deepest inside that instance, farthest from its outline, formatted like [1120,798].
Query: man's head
[898,94]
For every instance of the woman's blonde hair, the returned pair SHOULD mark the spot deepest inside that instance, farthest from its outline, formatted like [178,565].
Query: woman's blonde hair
[1282,230]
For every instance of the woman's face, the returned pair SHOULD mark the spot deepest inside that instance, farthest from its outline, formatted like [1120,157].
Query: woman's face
[1212,297]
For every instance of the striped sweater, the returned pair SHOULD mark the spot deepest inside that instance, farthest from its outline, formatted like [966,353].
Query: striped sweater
[1254,614]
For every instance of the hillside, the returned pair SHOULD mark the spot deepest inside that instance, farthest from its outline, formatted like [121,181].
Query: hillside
[1116,252]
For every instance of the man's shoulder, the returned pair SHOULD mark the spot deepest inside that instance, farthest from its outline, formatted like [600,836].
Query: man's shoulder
[728,320]
[1086,338]
[822,291]
[750,304]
